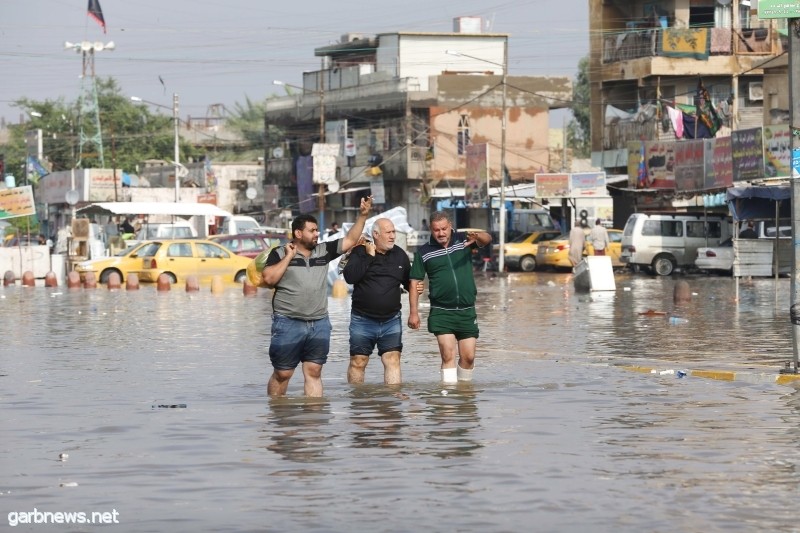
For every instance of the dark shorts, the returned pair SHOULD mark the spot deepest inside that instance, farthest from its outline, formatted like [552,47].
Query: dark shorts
[366,332]
[295,341]
[462,323]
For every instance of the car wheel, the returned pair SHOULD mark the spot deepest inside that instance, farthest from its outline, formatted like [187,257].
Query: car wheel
[527,263]
[173,279]
[106,273]
[240,276]
[663,265]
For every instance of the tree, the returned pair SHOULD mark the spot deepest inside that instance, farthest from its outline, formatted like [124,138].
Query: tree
[579,128]
[137,132]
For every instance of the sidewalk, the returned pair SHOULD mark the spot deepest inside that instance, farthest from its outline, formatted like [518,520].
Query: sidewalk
[748,375]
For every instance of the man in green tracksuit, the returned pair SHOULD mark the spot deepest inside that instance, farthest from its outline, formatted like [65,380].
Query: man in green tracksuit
[448,265]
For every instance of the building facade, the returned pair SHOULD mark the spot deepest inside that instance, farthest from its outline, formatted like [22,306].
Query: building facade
[404,108]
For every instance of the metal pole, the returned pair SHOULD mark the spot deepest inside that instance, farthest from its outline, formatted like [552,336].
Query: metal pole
[321,202]
[501,263]
[177,147]
[794,101]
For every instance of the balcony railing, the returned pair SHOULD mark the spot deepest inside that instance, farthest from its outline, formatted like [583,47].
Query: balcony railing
[687,42]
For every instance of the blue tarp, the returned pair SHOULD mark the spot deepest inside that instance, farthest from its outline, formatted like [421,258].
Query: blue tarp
[758,203]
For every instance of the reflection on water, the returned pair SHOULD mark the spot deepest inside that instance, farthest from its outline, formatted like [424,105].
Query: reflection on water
[547,437]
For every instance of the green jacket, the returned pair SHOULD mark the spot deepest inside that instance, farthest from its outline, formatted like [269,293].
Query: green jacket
[452,285]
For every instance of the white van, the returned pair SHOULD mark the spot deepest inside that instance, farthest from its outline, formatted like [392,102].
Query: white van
[663,242]
[236,224]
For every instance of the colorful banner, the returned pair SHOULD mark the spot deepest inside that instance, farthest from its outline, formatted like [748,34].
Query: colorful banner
[660,159]
[16,202]
[551,185]
[476,180]
[685,42]
[747,154]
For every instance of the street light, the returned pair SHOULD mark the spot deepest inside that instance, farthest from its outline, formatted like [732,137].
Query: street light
[175,121]
[321,94]
[502,256]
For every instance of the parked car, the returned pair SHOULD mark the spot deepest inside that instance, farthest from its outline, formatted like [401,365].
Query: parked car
[717,258]
[520,253]
[554,253]
[250,245]
[663,242]
[181,258]
[125,262]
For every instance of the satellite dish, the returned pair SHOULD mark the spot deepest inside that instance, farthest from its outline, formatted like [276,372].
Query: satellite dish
[250,193]
[333,186]
[71,197]
[277,152]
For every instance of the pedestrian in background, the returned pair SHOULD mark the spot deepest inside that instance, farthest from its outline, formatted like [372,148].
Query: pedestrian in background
[377,270]
[577,238]
[599,238]
[301,329]
[447,262]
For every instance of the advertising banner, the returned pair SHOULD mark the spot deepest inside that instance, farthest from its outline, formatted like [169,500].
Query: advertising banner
[16,202]
[476,181]
[660,160]
[588,184]
[747,154]
[552,185]
[718,168]
[689,174]
[777,151]
[778,9]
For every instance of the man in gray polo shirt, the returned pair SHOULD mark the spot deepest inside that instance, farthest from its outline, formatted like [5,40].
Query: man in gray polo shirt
[301,330]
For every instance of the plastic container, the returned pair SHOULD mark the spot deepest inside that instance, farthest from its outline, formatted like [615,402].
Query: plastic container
[675,320]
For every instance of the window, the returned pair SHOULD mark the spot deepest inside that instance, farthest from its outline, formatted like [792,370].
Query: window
[179,250]
[211,250]
[662,228]
[463,134]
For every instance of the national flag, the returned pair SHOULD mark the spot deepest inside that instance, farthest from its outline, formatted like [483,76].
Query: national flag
[705,110]
[97,13]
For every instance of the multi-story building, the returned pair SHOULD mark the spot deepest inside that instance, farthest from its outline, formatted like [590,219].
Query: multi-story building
[648,52]
[404,107]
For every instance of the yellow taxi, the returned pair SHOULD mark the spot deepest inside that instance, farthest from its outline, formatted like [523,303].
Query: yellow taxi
[124,262]
[520,253]
[181,258]
[555,253]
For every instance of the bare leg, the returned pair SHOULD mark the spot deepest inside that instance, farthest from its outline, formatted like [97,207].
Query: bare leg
[355,371]
[466,353]
[279,382]
[391,368]
[447,348]
[312,373]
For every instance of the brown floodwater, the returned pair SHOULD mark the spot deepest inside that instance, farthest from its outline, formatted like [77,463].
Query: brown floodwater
[159,401]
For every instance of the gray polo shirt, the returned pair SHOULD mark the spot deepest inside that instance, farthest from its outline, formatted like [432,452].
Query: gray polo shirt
[302,292]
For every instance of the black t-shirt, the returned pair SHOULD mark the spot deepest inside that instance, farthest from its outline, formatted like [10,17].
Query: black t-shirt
[376,281]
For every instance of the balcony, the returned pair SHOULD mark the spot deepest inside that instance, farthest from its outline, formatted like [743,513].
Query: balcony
[697,43]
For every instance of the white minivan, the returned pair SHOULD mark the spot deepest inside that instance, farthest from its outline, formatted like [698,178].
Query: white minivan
[663,242]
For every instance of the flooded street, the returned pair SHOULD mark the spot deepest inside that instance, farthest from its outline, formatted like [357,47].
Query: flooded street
[159,401]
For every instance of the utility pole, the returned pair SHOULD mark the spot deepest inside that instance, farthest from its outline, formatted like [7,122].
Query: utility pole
[794,101]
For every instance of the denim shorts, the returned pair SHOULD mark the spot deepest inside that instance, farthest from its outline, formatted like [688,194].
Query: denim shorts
[366,332]
[295,341]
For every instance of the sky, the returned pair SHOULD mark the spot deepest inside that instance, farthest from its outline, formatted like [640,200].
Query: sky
[225,51]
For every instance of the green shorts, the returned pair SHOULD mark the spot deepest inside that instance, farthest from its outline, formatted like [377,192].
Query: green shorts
[462,323]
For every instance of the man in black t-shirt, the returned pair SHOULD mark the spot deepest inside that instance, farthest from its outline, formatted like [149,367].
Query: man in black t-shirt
[377,271]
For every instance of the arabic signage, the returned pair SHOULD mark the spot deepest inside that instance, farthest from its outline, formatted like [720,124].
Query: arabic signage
[16,202]
[747,154]
[689,175]
[778,9]
[552,185]
[588,184]
[717,158]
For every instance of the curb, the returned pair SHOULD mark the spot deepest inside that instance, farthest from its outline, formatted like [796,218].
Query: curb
[720,375]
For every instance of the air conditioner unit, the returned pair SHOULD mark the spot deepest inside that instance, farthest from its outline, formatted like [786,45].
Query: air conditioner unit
[756,90]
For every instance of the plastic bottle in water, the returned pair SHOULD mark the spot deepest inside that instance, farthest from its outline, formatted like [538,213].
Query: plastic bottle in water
[675,320]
